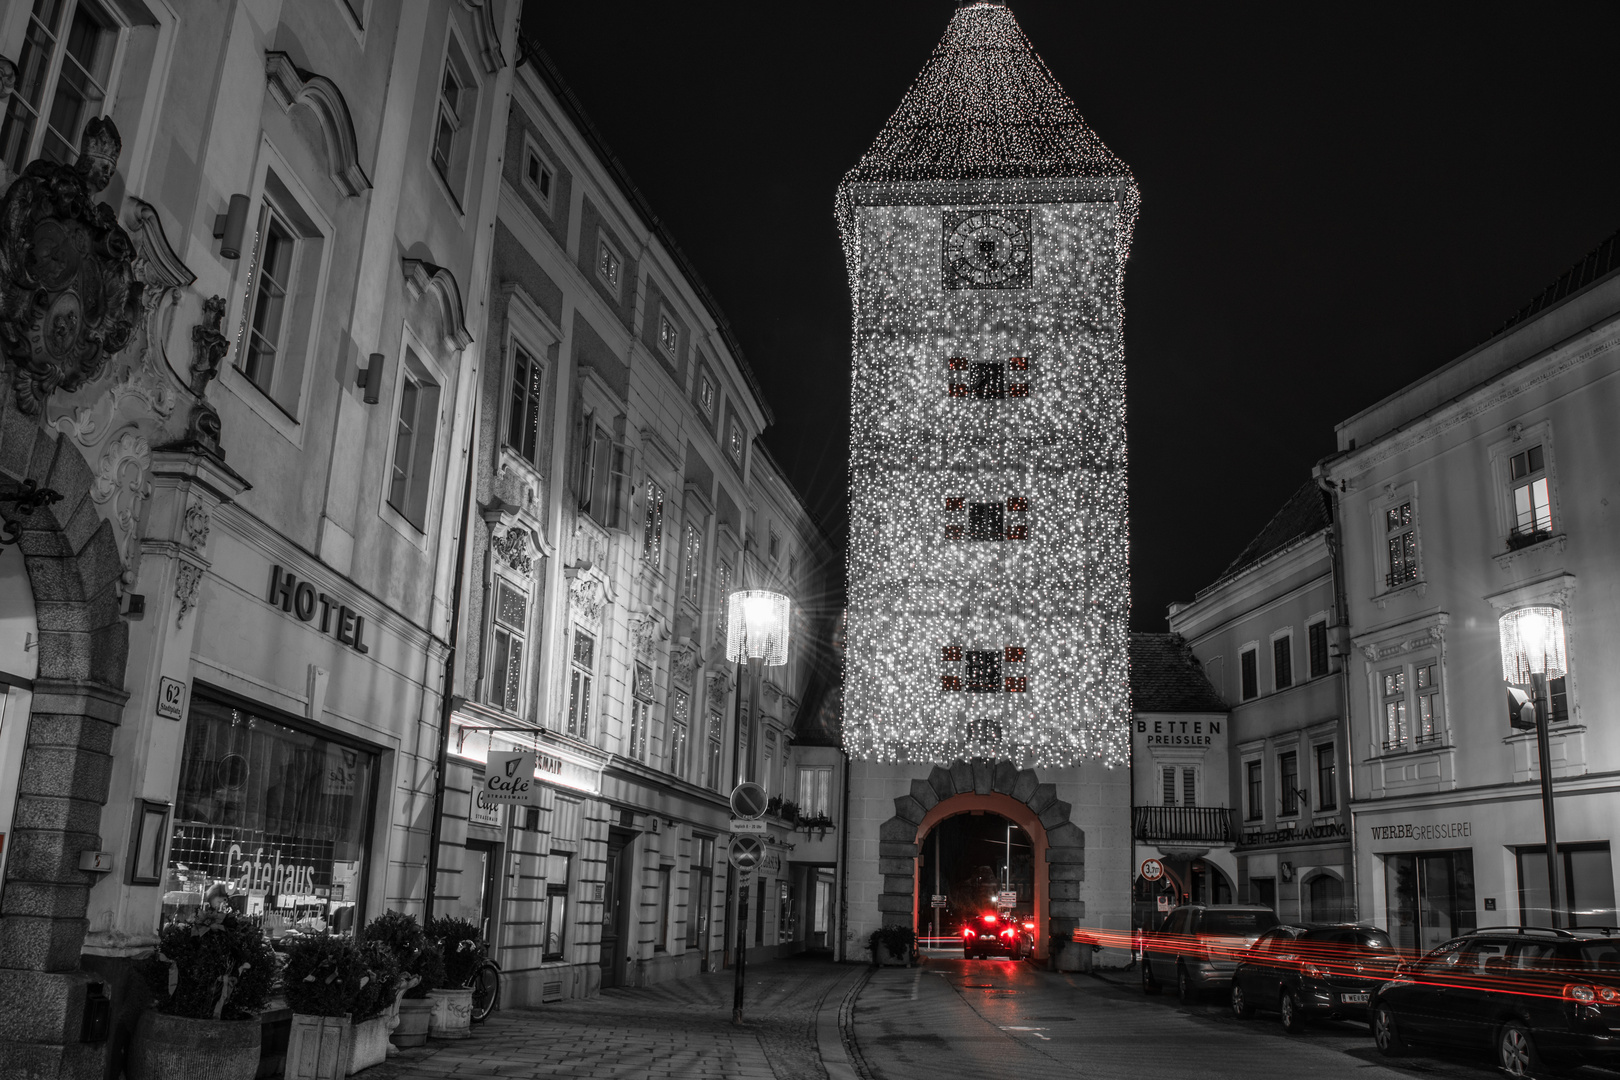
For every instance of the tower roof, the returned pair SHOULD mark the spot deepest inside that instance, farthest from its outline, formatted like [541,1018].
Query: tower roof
[986,107]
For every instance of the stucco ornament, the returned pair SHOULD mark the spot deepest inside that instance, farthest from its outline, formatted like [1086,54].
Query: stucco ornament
[68,293]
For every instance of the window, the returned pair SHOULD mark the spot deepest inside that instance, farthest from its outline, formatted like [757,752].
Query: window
[1429,897]
[1189,787]
[767,777]
[1288,777]
[1179,783]
[774,545]
[984,521]
[609,265]
[1588,885]
[652,536]
[1327,777]
[734,441]
[641,700]
[1282,661]
[273,274]
[712,762]
[537,174]
[581,676]
[1428,698]
[1400,542]
[679,721]
[1249,662]
[701,896]
[554,915]
[62,72]
[1318,639]
[664,898]
[815,790]
[452,125]
[505,678]
[706,395]
[988,380]
[1167,778]
[722,594]
[523,405]
[669,339]
[1254,780]
[1532,498]
[603,479]
[411,472]
[983,671]
[692,564]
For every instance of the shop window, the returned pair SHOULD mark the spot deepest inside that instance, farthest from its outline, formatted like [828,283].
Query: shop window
[272,819]
[1316,633]
[62,81]
[1327,777]
[701,896]
[411,470]
[1249,662]
[1429,897]
[1282,661]
[787,922]
[453,122]
[1264,891]
[664,900]
[554,914]
[1288,779]
[505,676]
[712,777]
[641,702]
[652,533]
[1254,780]
[581,677]
[526,380]
[1588,886]
[692,564]
[815,790]
[679,722]
[603,479]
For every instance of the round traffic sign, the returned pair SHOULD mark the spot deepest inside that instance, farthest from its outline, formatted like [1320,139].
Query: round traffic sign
[746,851]
[1152,869]
[748,800]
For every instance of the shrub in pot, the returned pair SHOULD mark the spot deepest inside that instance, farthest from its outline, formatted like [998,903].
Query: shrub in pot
[892,946]
[210,976]
[417,1006]
[421,966]
[325,980]
[375,1015]
[464,951]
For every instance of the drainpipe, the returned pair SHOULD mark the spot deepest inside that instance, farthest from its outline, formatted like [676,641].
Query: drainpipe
[1341,616]
[843,867]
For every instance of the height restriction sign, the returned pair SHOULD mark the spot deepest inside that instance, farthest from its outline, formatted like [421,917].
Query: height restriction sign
[1152,869]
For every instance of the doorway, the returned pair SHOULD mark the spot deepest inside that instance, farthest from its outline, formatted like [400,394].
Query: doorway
[1429,897]
[483,867]
[616,908]
[977,861]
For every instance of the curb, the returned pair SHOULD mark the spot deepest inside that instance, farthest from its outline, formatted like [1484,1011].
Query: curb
[835,1034]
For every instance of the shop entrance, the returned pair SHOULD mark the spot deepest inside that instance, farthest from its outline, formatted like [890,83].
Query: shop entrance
[1430,897]
[980,862]
[615,909]
[483,867]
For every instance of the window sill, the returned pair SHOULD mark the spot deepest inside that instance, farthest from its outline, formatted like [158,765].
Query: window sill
[1417,749]
[444,189]
[1417,588]
[1553,545]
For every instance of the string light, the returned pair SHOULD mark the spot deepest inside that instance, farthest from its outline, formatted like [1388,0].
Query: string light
[986,232]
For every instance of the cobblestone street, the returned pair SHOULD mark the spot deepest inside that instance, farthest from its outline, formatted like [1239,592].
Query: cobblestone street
[679,1029]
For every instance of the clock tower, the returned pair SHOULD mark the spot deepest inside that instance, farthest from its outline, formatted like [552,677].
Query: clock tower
[986,232]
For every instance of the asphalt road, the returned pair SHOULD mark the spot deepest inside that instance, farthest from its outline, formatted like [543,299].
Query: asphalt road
[993,1019]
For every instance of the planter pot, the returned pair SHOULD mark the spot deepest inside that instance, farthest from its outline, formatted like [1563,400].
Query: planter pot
[452,1013]
[885,958]
[414,1014]
[166,1046]
[369,1045]
[318,1047]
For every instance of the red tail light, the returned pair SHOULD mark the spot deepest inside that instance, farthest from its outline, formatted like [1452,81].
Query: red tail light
[967,931]
[1029,926]
[1006,933]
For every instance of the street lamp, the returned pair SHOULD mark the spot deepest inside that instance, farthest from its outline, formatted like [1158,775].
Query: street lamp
[1533,653]
[757,624]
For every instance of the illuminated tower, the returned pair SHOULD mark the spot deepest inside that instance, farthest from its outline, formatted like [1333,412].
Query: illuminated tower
[986,232]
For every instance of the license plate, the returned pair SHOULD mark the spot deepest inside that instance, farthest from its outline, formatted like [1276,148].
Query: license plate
[1353,999]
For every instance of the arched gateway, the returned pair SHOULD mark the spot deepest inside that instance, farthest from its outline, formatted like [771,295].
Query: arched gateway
[997,787]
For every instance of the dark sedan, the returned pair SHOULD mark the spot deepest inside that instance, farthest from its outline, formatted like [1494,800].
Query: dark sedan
[1003,935]
[1535,996]
[1326,972]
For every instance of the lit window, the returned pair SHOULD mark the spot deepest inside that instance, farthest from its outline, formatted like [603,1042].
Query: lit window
[692,571]
[711,769]
[1428,698]
[608,266]
[734,441]
[411,472]
[272,276]
[1532,501]
[679,721]
[505,679]
[1393,685]
[523,408]
[1400,541]
[722,594]
[640,712]
[62,72]
[652,537]
[669,338]
[581,677]
[706,395]
[815,790]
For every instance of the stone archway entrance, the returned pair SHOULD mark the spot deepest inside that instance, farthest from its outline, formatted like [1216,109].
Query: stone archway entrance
[1017,794]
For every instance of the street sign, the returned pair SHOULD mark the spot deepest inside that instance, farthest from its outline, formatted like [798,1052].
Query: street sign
[1007,899]
[748,800]
[1152,869]
[939,900]
[746,852]
[1164,903]
[749,827]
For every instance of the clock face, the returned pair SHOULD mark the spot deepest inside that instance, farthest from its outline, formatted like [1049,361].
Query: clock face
[987,249]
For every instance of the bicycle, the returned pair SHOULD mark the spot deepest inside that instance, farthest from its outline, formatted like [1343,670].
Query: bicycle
[486,990]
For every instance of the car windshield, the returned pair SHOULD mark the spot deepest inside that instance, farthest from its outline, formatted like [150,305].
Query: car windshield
[1237,923]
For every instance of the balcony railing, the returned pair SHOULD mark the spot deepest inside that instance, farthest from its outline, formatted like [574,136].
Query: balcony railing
[1183,824]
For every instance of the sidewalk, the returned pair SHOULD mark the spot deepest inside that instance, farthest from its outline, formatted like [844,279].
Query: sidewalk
[672,1031]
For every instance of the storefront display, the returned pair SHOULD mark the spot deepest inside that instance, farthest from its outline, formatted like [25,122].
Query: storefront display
[1430,897]
[270,820]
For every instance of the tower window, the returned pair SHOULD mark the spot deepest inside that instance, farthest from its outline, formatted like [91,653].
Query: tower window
[985,521]
[979,671]
[988,380]
[985,379]
[983,671]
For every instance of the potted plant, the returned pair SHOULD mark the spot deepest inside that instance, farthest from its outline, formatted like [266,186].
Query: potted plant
[324,980]
[422,968]
[463,951]
[892,946]
[210,975]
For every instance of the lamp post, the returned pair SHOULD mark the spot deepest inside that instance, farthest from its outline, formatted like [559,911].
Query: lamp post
[1533,653]
[757,623]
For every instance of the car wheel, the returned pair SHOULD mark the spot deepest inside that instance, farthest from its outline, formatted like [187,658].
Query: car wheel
[967,954]
[1150,985]
[1186,993]
[1386,1032]
[1515,1053]
[1241,1006]
[1293,1016]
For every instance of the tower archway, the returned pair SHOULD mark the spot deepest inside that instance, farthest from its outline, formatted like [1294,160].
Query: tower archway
[996,787]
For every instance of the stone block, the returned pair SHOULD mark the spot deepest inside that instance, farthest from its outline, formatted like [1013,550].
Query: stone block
[897,918]
[895,902]
[1043,796]
[984,774]
[1070,909]
[40,947]
[898,884]
[82,525]
[1067,834]
[1064,890]
[46,899]
[79,698]
[889,850]
[70,730]
[110,650]
[70,474]
[1075,856]
[961,776]
[1063,928]
[897,866]
[1066,872]
[1005,776]
[1023,788]
[99,563]
[65,773]
[898,831]
[59,814]
[18,433]
[1055,814]
[924,793]
[908,809]
[940,779]
[45,856]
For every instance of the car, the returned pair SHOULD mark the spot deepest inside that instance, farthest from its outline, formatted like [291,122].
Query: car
[1313,971]
[1537,997]
[1198,945]
[996,934]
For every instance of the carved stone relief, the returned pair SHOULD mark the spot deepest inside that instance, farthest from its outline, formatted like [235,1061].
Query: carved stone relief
[586,597]
[513,548]
[197,527]
[186,582]
[683,661]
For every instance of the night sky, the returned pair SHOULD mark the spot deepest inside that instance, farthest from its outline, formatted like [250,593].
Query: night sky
[1336,199]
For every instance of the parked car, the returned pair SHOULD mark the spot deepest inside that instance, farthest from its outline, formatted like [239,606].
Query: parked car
[1002,934]
[1538,997]
[1197,947]
[1313,971]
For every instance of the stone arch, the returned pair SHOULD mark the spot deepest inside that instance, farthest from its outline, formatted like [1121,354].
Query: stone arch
[1015,793]
[74,568]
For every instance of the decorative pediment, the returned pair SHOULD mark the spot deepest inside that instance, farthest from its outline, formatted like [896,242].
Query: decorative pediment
[514,546]
[489,34]
[421,277]
[587,596]
[1414,636]
[684,659]
[647,630]
[719,682]
[292,86]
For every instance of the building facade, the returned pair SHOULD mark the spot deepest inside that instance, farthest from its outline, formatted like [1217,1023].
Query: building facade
[1269,637]
[986,232]
[224,638]
[1479,492]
